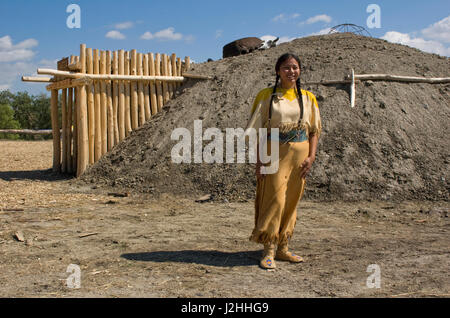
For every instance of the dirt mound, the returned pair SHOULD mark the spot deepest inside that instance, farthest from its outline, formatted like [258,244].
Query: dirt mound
[393,145]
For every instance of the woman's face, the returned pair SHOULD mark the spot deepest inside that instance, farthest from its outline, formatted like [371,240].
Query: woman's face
[289,73]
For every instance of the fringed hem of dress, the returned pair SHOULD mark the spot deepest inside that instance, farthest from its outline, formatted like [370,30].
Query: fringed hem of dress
[265,238]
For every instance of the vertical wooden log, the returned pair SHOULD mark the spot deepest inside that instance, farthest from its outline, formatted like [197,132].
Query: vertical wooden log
[128,124]
[169,73]
[121,112]
[83,141]
[179,65]
[75,131]
[140,87]
[352,90]
[159,89]
[75,126]
[64,130]
[134,92]
[173,60]
[103,104]
[97,109]
[109,96]
[56,132]
[90,106]
[164,71]
[187,63]
[69,130]
[154,99]
[116,86]
[148,112]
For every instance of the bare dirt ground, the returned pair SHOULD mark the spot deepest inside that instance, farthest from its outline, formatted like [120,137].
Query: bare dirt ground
[145,246]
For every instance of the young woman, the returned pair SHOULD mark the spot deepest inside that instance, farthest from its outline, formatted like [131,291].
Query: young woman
[296,114]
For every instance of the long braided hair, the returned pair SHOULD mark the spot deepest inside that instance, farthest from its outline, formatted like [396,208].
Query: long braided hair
[280,61]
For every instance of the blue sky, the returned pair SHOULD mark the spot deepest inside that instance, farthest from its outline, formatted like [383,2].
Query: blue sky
[35,34]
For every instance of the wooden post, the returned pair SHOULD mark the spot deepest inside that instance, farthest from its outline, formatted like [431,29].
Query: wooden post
[64,121]
[134,92]
[91,106]
[154,100]
[116,98]
[164,71]
[159,90]
[352,90]
[169,73]
[56,132]
[128,124]
[69,131]
[173,64]
[103,105]
[121,113]
[83,144]
[187,64]
[140,86]
[97,109]
[179,65]
[109,97]
[148,112]
[75,127]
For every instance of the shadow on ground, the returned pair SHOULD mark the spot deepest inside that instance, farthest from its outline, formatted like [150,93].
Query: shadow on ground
[211,258]
[38,175]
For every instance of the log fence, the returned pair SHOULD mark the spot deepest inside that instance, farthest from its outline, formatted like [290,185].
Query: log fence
[104,96]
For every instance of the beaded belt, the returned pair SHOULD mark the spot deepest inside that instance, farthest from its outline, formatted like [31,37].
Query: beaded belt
[297,135]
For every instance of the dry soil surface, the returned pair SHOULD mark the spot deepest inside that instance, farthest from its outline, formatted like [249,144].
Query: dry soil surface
[166,246]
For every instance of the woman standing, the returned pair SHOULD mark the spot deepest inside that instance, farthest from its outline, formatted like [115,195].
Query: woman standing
[296,114]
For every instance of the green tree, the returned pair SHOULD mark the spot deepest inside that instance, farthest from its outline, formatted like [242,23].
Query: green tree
[7,121]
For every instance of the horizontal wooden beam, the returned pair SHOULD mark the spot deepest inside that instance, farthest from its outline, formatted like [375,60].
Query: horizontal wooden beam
[36,79]
[26,131]
[68,83]
[108,77]
[397,78]
[195,76]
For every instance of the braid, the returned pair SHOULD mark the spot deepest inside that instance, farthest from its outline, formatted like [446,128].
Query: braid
[300,98]
[273,95]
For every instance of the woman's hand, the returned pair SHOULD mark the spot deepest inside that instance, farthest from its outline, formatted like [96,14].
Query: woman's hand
[306,166]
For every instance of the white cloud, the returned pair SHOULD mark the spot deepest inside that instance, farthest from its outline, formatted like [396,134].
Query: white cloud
[147,36]
[284,18]
[12,72]
[10,52]
[165,35]
[439,31]
[124,25]
[115,35]
[322,32]
[318,18]
[419,43]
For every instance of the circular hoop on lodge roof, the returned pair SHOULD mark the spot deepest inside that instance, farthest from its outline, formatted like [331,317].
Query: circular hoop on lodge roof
[349,27]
